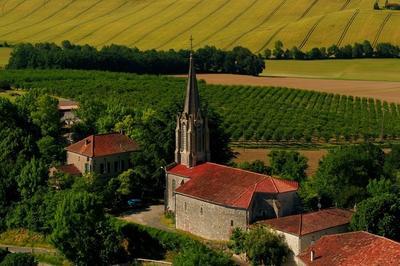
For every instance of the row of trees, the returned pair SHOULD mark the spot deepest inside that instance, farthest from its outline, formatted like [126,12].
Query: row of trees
[357,50]
[247,113]
[124,59]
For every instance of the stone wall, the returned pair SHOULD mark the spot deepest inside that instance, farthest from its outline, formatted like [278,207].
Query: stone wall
[107,165]
[172,183]
[207,220]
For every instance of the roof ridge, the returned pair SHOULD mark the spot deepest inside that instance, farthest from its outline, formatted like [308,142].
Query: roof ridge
[273,182]
[240,169]
[245,191]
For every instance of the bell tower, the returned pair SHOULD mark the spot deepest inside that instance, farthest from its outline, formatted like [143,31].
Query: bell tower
[192,133]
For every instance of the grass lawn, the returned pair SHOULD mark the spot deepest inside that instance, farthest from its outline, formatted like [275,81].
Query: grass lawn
[356,69]
[4,55]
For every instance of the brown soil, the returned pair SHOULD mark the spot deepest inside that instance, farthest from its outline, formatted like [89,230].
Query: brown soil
[387,91]
[313,156]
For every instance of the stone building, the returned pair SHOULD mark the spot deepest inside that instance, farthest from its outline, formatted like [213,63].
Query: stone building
[208,199]
[104,154]
[301,230]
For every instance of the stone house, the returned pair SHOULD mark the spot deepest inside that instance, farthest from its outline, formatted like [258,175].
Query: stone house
[301,230]
[209,199]
[104,154]
[349,249]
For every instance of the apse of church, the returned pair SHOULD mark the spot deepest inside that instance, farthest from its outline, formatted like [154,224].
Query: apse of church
[192,133]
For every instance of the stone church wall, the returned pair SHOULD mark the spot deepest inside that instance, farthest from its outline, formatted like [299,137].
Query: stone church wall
[173,182]
[207,220]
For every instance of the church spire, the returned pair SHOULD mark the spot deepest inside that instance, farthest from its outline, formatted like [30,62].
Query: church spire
[192,134]
[192,101]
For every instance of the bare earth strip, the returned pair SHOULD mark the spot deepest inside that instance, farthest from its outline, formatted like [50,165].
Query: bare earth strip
[383,90]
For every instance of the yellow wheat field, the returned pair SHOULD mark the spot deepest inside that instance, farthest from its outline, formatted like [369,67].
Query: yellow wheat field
[165,24]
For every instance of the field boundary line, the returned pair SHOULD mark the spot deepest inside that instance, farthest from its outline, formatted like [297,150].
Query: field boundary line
[89,20]
[258,25]
[272,37]
[44,19]
[27,15]
[195,24]
[380,29]
[310,32]
[136,23]
[347,27]
[346,4]
[114,20]
[308,9]
[65,21]
[12,9]
[229,22]
[166,23]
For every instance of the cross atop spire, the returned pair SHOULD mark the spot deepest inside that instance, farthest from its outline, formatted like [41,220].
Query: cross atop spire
[191,43]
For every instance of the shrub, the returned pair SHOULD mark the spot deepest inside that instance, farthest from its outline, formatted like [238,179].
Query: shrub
[18,259]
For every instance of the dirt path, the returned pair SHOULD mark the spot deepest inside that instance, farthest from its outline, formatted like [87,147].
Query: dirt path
[384,90]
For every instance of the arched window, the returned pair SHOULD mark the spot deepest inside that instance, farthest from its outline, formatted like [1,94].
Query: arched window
[183,137]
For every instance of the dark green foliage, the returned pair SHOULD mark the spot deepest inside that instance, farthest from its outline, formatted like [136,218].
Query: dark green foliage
[19,259]
[3,253]
[199,255]
[288,164]
[124,59]
[4,85]
[379,215]
[256,166]
[264,247]
[33,176]
[357,50]
[152,243]
[236,241]
[343,176]
[82,232]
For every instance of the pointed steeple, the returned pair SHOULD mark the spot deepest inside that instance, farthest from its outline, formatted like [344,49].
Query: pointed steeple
[192,102]
[192,133]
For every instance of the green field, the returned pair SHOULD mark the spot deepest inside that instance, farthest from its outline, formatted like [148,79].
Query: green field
[4,55]
[249,113]
[352,69]
[163,24]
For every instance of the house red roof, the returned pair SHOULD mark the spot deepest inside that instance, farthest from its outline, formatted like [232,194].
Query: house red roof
[68,169]
[66,105]
[303,224]
[353,249]
[227,185]
[103,145]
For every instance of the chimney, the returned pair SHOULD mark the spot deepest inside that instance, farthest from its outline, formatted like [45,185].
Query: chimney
[86,141]
[312,255]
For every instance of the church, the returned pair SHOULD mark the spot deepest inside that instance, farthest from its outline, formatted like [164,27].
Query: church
[208,199]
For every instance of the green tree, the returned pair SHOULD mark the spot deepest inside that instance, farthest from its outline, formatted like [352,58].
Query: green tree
[50,150]
[343,175]
[381,186]
[368,49]
[81,231]
[288,164]
[278,51]
[264,247]
[32,177]
[256,166]
[379,215]
[19,259]
[236,241]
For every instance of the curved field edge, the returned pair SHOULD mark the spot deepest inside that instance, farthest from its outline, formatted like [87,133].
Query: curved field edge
[256,24]
[258,114]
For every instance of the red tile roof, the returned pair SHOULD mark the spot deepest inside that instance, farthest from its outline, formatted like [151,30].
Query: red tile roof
[64,105]
[302,224]
[227,185]
[68,169]
[353,249]
[103,145]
